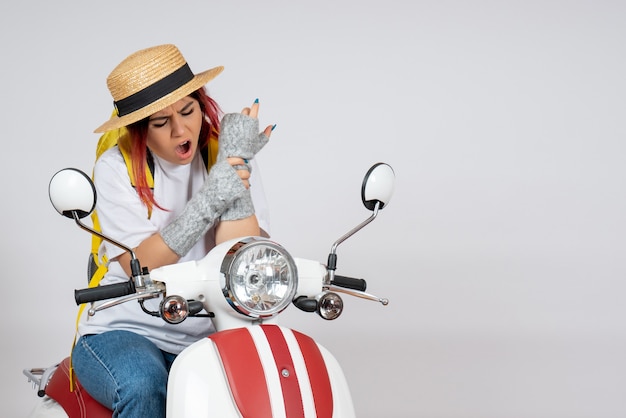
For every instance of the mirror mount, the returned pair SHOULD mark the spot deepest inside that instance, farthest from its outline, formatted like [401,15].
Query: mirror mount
[135,266]
[332,257]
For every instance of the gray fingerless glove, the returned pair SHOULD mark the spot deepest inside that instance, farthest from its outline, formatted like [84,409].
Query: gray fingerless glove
[221,188]
[240,137]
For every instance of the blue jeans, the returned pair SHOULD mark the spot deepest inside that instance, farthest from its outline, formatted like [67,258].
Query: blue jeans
[123,371]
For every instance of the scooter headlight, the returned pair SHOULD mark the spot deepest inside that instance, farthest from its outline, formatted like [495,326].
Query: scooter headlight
[260,277]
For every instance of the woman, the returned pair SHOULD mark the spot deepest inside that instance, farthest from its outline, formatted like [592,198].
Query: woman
[122,357]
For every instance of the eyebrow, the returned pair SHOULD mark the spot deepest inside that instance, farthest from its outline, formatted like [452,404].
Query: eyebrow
[187,106]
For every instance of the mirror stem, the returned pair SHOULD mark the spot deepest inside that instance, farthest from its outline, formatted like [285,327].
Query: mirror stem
[332,257]
[134,263]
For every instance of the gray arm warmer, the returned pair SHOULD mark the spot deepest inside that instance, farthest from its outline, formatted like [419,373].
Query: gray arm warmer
[223,193]
[222,187]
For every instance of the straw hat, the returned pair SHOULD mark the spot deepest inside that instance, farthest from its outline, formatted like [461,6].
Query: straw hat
[150,80]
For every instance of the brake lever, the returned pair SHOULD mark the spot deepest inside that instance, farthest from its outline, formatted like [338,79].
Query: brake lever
[357,293]
[147,294]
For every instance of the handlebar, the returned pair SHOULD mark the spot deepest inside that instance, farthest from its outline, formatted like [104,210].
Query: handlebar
[108,291]
[349,283]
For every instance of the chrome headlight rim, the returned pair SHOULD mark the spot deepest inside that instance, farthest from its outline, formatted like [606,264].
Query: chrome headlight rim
[231,259]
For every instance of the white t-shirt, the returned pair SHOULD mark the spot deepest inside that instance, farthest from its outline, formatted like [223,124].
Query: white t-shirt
[124,218]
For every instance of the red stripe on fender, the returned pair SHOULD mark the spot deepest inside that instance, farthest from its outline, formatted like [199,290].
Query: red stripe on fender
[318,375]
[290,386]
[244,371]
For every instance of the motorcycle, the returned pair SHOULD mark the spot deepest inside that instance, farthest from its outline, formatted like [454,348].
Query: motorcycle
[252,366]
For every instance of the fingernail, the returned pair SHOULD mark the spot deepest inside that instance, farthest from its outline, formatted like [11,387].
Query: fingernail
[256,101]
[273,127]
[245,161]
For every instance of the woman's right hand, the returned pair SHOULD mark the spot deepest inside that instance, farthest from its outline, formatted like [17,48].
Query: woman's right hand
[243,171]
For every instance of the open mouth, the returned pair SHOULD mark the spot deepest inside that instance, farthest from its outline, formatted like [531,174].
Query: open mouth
[183,148]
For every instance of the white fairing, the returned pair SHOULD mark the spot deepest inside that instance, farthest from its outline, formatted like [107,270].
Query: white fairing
[343,406]
[310,277]
[203,390]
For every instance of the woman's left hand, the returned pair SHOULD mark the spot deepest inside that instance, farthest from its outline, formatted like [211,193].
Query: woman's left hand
[253,112]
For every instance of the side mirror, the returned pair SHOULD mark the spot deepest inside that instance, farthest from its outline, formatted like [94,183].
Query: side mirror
[376,192]
[73,194]
[378,186]
[72,191]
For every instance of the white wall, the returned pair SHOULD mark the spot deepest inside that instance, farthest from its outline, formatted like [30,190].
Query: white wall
[502,251]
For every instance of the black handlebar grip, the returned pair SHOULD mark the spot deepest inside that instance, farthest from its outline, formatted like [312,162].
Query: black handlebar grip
[108,291]
[350,283]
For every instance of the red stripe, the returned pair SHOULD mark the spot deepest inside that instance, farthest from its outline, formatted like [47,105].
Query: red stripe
[282,357]
[318,375]
[244,371]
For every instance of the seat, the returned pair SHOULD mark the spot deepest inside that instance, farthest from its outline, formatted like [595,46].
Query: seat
[77,404]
